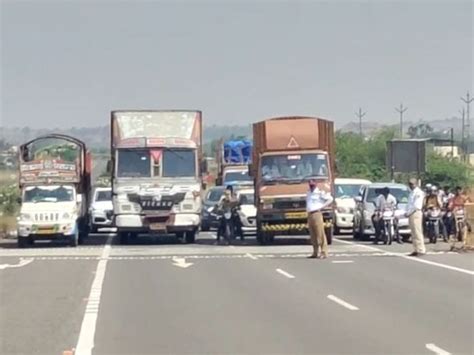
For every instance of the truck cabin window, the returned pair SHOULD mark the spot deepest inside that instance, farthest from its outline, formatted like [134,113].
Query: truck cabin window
[48,194]
[179,163]
[237,176]
[294,167]
[134,163]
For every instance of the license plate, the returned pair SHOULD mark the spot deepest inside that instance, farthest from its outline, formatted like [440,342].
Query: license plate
[46,231]
[158,226]
[296,215]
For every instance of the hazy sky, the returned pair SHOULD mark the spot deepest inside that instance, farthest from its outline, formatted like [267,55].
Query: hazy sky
[68,63]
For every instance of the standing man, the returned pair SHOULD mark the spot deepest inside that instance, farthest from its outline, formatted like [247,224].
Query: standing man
[415,217]
[316,201]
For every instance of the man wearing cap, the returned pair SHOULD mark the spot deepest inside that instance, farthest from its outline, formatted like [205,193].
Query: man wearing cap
[415,217]
[316,201]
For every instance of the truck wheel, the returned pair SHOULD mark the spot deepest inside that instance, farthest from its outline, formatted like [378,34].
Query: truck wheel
[74,239]
[329,234]
[123,237]
[190,237]
[24,242]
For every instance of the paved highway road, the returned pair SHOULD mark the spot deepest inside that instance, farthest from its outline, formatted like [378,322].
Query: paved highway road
[160,297]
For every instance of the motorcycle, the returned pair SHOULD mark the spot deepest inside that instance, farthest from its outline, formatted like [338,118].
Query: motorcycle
[433,221]
[227,227]
[388,232]
[460,224]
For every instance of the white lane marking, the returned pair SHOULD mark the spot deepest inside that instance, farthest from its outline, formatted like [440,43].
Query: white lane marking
[343,303]
[181,262]
[284,273]
[437,350]
[342,261]
[22,263]
[253,257]
[85,344]
[416,259]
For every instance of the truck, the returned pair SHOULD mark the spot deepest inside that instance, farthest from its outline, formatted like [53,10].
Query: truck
[233,158]
[156,173]
[55,182]
[288,152]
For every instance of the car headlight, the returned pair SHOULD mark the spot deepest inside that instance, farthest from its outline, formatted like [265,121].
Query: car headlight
[25,217]
[126,207]
[210,209]
[343,210]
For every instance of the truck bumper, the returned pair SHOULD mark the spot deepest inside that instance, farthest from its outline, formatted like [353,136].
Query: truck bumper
[181,222]
[56,231]
[283,223]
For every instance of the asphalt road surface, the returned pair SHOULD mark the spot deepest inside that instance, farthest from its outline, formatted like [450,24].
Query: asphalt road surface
[162,297]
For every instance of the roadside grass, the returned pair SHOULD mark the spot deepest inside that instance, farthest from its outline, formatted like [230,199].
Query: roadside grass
[7,226]
[8,177]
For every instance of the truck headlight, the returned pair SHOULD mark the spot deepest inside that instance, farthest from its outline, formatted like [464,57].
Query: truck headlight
[66,215]
[126,208]
[25,217]
[267,206]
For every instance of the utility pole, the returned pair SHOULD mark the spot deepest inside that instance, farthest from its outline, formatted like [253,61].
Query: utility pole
[401,110]
[360,115]
[468,101]
[463,133]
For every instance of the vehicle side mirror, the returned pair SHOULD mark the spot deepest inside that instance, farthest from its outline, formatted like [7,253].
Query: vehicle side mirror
[218,181]
[204,167]
[358,199]
[109,167]
[204,185]
[79,199]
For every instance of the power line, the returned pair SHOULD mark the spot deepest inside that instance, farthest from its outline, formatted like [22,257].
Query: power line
[401,110]
[360,115]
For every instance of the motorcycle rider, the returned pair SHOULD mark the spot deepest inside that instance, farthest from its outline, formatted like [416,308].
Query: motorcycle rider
[385,200]
[433,200]
[229,201]
[456,203]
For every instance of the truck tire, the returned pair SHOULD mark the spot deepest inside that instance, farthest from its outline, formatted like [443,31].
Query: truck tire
[329,234]
[123,238]
[24,242]
[190,237]
[74,239]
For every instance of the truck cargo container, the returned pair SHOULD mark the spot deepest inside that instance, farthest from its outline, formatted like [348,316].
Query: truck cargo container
[287,152]
[233,158]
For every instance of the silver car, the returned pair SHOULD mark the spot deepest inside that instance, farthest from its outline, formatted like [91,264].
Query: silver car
[365,208]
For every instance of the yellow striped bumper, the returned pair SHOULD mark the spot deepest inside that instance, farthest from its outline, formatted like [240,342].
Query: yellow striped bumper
[289,227]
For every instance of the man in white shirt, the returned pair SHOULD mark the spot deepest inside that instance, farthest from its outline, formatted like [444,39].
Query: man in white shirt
[415,218]
[384,201]
[316,201]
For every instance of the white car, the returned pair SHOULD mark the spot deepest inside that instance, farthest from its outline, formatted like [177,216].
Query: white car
[247,211]
[346,191]
[101,209]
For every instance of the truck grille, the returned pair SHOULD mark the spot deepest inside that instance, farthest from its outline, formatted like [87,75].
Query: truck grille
[46,217]
[289,205]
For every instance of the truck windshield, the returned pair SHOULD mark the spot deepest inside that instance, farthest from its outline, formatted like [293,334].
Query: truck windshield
[134,163]
[48,194]
[294,167]
[237,176]
[179,163]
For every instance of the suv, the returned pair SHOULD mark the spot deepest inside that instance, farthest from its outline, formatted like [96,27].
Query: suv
[365,208]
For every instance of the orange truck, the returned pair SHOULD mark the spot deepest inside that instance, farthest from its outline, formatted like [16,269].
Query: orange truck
[287,153]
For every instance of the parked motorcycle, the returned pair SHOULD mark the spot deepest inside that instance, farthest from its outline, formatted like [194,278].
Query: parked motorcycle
[433,222]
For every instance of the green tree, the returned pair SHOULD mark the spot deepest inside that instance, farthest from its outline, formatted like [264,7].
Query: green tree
[444,171]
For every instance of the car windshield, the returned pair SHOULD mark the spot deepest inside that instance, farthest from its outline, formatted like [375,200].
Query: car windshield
[134,163]
[237,176]
[246,199]
[294,167]
[104,195]
[214,195]
[347,191]
[49,194]
[400,194]
[179,163]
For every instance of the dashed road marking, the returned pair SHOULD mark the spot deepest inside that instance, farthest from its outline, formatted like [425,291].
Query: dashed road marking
[437,350]
[343,303]
[342,261]
[284,273]
[253,257]
[85,344]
